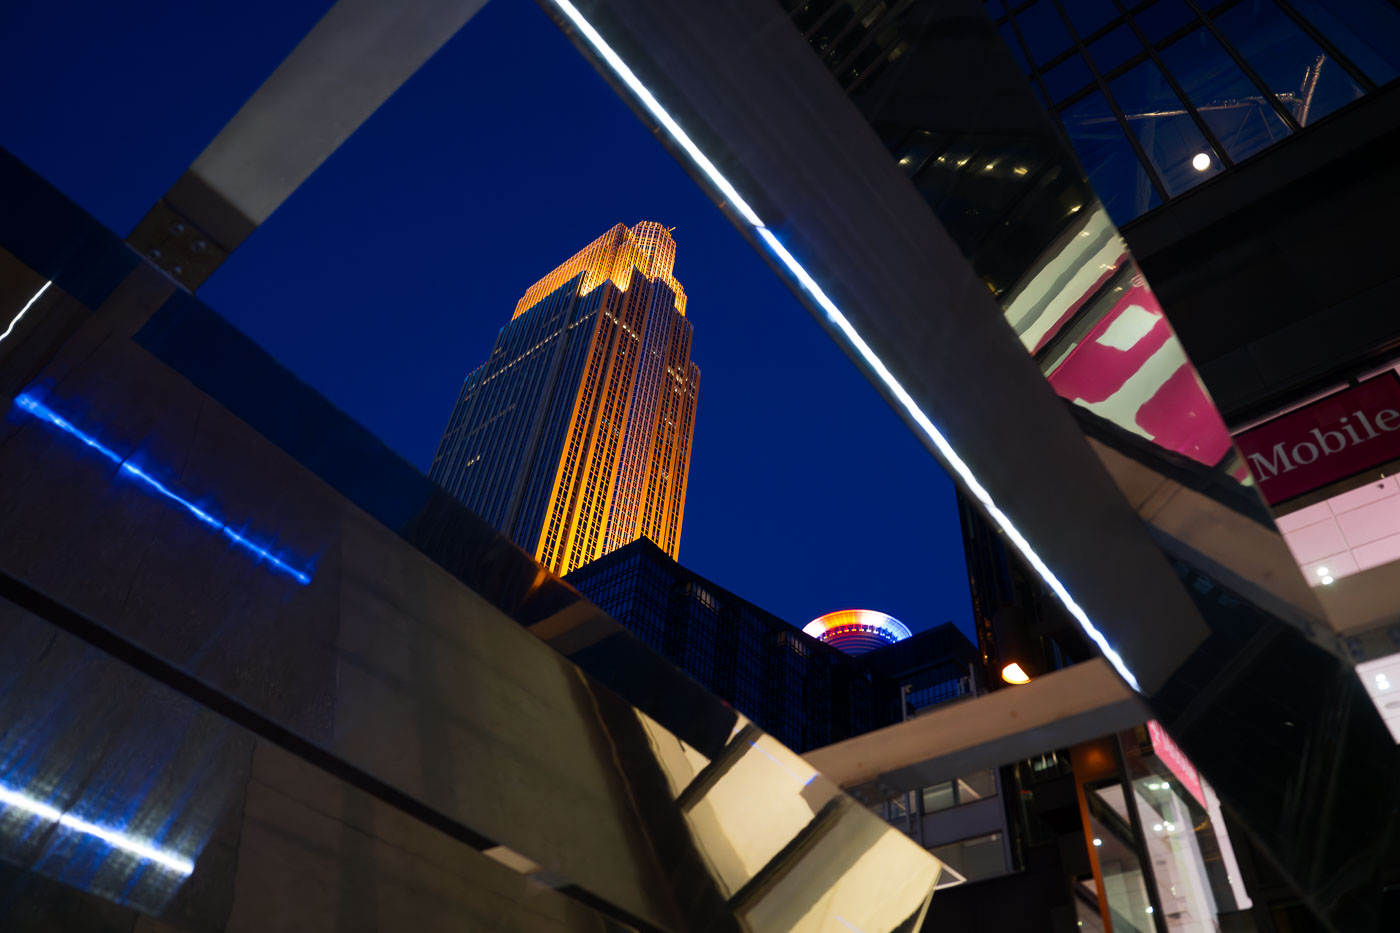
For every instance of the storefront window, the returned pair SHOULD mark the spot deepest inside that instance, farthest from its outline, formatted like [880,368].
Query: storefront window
[1124,882]
[1177,863]
[980,785]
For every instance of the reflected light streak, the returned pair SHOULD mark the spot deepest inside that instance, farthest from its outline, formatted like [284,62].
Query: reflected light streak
[27,305]
[793,774]
[838,319]
[40,410]
[116,840]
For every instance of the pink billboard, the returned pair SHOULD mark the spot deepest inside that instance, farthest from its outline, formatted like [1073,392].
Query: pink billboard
[1131,370]
[1329,440]
[1176,761]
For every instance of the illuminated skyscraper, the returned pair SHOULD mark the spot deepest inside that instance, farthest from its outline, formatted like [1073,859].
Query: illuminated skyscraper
[574,436]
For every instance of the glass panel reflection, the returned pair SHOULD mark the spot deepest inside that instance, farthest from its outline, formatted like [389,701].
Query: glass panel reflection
[788,849]
[1088,16]
[1111,165]
[1365,31]
[1292,65]
[1043,30]
[1232,106]
[1163,18]
[1067,77]
[1115,48]
[1170,137]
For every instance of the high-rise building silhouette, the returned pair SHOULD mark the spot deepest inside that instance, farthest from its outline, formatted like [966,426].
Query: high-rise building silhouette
[574,436]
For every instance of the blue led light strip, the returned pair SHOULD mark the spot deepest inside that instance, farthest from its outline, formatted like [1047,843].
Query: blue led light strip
[838,319]
[40,410]
[130,844]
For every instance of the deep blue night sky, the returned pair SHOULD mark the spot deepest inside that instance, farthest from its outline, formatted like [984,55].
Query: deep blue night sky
[384,279]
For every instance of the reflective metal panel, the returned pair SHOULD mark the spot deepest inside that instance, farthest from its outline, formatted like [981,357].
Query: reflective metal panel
[260,674]
[827,171]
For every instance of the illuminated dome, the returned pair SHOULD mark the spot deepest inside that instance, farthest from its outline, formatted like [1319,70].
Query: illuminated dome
[856,631]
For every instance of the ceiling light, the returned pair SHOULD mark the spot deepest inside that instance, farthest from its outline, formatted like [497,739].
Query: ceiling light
[1327,580]
[1098,842]
[1200,161]
[1323,571]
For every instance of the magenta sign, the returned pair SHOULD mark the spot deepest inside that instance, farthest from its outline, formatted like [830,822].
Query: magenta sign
[1177,763]
[1328,440]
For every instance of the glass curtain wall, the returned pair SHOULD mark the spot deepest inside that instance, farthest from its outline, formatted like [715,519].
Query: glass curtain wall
[1158,97]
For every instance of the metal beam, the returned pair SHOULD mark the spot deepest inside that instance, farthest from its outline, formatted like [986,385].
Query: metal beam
[1060,709]
[359,54]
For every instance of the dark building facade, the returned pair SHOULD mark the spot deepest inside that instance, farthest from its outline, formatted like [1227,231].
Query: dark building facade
[803,692]
[1120,832]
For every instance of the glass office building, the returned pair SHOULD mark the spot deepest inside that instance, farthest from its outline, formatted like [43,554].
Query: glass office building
[803,691]
[574,436]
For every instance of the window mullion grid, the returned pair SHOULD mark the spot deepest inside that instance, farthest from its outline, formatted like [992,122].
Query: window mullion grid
[855,21]
[821,21]
[1289,120]
[1347,64]
[1035,75]
[1113,104]
[897,8]
[1180,92]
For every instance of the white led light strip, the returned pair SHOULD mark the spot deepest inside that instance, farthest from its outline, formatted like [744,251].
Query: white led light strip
[619,68]
[27,305]
[116,840]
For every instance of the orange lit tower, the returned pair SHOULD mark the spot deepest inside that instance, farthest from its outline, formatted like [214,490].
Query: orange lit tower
[574,436]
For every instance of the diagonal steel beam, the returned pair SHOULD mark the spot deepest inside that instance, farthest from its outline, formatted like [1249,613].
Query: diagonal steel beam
[1060,709]
[358,55]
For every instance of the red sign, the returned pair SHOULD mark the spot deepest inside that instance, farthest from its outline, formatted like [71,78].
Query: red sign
[1177,763]
[1331,439]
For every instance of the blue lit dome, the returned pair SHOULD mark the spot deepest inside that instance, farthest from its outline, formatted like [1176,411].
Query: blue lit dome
[856,631]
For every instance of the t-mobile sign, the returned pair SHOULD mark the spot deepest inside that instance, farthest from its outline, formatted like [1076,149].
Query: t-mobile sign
[1177,762]
[1326,441]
